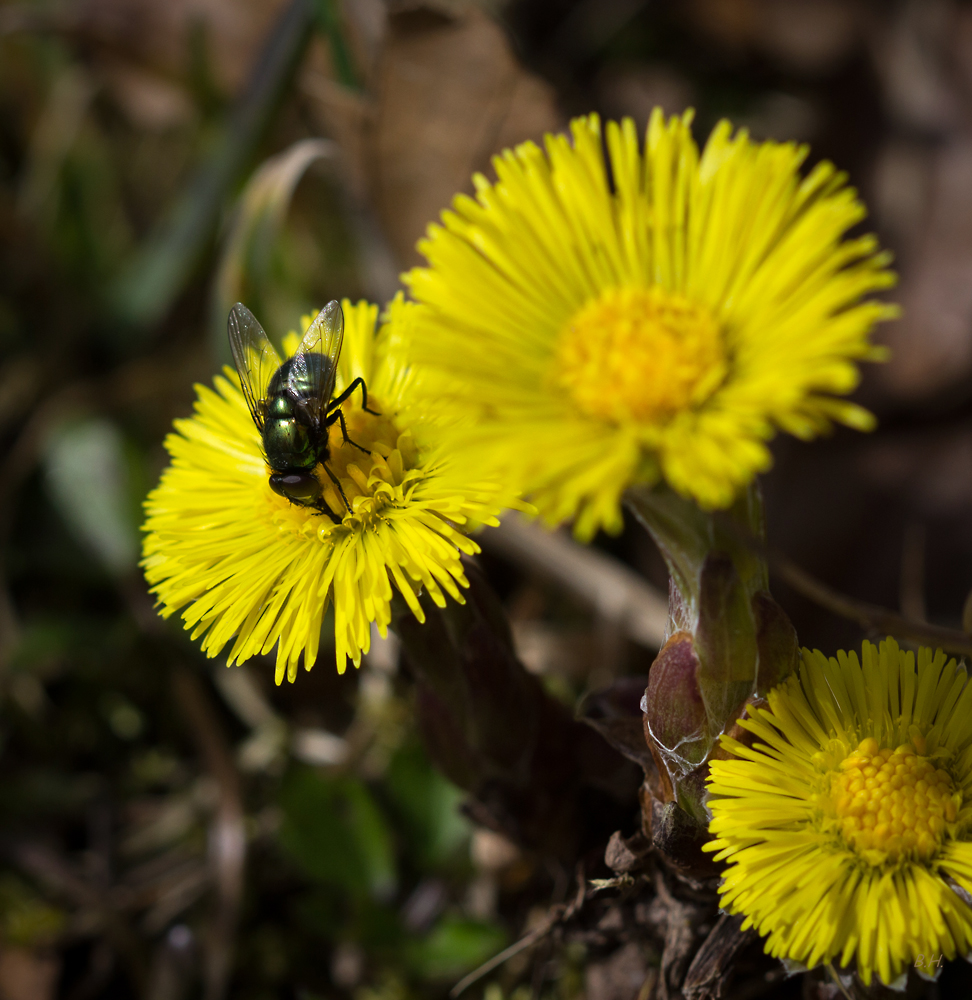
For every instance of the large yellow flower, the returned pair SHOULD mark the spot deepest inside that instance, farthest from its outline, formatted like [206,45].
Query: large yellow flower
[661,314]
[250,567]
[848,823]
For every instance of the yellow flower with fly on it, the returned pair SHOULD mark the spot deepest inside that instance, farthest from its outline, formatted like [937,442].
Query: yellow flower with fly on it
[255,570]
[660,315]
[847,825]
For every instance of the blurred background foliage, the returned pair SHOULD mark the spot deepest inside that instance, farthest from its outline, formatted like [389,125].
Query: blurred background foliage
[172,829]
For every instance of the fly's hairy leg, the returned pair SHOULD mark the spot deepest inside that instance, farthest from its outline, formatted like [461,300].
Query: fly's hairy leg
[338,415]
[359,381]
[334,479]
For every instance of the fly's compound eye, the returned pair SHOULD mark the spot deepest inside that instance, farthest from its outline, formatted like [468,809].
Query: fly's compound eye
[302,487]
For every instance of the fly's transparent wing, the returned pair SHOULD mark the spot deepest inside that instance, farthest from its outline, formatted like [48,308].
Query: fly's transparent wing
[314,366]
[254,356]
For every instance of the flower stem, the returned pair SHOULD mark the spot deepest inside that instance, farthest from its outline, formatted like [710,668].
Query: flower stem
[535,774]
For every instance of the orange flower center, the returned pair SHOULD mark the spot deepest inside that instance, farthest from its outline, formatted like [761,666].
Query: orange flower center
[896,802]
[640,354]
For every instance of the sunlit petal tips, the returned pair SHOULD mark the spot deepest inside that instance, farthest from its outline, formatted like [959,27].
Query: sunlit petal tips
[254,571]
[847,823]
[658,312]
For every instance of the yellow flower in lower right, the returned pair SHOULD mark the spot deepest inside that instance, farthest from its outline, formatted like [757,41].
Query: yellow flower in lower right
[847,824]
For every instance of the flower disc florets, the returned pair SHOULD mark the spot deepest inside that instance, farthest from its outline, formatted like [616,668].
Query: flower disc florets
[594,322]
[892,803]
[253,569]
[847,824]
[640,354]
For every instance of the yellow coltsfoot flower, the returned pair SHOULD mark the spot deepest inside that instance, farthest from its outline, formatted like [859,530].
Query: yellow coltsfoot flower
[659,315]
[847,825]
[254,569]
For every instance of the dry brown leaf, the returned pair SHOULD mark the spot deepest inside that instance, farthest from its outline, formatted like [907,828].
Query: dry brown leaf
[932,345]
[811,36]
[159,35]
[636,90]
[447,94]
[150,101]
[912,53]
[27,974]
[623,975]
[345,116]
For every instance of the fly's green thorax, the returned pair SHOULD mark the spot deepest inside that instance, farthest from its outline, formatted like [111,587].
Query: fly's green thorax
[290,442]
[299,381]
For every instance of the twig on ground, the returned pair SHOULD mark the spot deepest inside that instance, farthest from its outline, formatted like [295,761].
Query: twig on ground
[105,906]
[557,914]
[227,835]
[869,616]
[616,593]
[496,961]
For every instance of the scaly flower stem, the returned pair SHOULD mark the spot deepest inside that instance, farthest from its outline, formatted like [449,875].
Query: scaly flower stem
[728,641]
[535,774]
